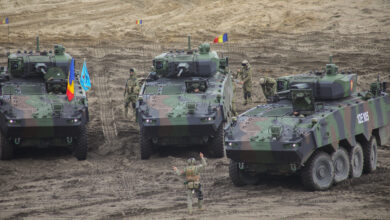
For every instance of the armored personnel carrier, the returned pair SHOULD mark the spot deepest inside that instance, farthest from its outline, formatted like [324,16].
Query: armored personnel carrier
[317,126]
[34,109]
[185,101]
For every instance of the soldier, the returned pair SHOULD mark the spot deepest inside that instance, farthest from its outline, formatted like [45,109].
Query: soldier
[268,86]
[131,91]
[192,184]
[245,75]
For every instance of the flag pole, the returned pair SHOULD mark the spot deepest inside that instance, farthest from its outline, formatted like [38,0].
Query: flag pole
[143,47]
[228,45]
[8,35]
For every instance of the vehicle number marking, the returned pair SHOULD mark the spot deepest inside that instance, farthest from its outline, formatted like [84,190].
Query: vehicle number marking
[363,117]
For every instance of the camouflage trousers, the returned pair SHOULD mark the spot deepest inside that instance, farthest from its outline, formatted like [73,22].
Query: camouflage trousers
[199,195]
[269,90]
[247,95]
[129,100]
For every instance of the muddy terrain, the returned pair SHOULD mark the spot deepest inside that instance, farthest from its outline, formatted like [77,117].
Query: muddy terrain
[277,37]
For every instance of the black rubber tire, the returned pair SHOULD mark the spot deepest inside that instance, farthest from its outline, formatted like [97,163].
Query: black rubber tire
[341,163]
[146,145]
[80,145]
[6,148]
[357,161]
[234,174]
[370,155]
[216,146]
[238,177]
[318,173]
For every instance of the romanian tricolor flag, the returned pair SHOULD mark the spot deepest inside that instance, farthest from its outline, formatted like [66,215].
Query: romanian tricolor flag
[138,22]
[70,88]
[222,38]
[5,21]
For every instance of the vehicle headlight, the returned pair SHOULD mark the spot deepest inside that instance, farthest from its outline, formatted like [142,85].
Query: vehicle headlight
[149,121]
[230,144]
[74,120]
[291,145]
[207,119]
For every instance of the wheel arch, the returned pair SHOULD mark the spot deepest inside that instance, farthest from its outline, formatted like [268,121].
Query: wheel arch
[377,134]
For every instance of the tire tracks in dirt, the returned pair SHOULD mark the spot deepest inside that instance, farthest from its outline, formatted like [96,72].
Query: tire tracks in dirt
[107,116]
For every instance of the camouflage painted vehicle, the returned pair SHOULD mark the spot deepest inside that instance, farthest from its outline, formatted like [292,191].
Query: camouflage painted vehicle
[317,126]
[185,101]
[34,110]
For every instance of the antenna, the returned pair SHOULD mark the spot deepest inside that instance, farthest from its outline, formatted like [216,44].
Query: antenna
[189,42]
[37,43]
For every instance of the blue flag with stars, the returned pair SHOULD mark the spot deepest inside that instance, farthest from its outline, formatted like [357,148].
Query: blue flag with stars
[84,78]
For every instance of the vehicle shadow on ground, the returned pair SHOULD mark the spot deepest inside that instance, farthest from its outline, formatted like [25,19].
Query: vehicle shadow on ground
[181,152]
[292,182]
[48,153]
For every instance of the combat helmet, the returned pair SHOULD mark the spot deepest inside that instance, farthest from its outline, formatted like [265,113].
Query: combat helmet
[191,161]
[262,80]
[245,64]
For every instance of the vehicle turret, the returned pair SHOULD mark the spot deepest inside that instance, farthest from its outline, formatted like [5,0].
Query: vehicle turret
[326,85]
[201,63]
[52,67]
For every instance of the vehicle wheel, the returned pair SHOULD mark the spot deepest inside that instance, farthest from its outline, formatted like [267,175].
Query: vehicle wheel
[239,177]
[216,147]
[318,174]
[146,145]
[341,165]
[80,145]
[370,156]
[6,148]
[357,161]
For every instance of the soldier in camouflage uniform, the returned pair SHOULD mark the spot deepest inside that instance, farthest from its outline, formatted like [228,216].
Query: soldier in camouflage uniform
[245,74]
[192,183]
[131,91]
[268,86]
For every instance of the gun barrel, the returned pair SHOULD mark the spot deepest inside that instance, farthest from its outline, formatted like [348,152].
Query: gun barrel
[180,72]
[37,44]
[283,92]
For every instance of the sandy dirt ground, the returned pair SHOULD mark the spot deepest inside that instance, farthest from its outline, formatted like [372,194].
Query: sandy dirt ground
[277,37]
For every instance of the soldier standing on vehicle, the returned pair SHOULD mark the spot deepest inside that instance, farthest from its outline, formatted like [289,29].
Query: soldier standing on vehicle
[245,74]
[192,183]
[131,92]
[268,85]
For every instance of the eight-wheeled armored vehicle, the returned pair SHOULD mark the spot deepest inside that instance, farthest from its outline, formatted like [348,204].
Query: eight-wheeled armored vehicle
[185,101]
[318,126]
[34,109]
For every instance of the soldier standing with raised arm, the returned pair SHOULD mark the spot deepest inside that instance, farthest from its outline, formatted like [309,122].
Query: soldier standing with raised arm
[192,183]
[131,92]
[245,74]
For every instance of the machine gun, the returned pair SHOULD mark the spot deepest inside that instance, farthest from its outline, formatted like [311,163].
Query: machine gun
[183,68]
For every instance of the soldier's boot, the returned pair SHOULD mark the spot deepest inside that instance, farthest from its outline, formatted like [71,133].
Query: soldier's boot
[189,201]
[126,112]
[250,100]
[200,204]
[245,102]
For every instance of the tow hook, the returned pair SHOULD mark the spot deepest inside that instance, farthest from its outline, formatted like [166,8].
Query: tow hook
[241,165]
[293,167]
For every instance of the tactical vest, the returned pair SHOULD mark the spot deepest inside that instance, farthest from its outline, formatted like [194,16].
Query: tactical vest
[191,174]
[131,84]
